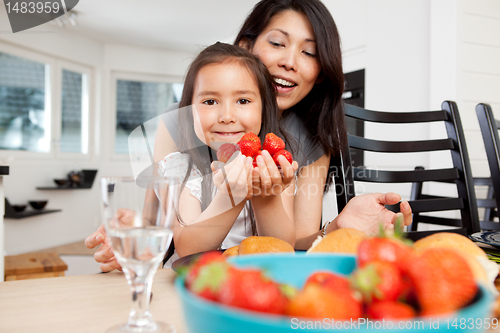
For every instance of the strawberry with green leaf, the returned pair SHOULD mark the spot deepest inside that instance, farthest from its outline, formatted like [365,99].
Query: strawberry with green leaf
[379,281]
[390,247]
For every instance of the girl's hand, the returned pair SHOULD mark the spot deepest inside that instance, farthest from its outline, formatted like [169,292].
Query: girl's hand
[234,179]
[267,178]
[367,211]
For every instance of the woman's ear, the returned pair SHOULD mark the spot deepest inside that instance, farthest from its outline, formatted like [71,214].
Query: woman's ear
[244,43]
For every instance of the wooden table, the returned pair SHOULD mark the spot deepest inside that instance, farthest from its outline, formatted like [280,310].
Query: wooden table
[86,303]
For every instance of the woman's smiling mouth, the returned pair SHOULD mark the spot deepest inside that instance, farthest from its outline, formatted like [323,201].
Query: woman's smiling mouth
[283,86]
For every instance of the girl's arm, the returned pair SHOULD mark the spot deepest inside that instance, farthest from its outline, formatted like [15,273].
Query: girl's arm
[203,231]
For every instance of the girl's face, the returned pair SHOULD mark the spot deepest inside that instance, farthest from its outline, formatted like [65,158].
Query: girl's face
[287,47]
[227,103]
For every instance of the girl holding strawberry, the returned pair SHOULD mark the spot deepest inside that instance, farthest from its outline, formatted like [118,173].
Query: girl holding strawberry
[228,94]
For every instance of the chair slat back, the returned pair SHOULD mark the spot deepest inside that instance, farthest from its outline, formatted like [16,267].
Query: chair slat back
[489,130]
[460,173]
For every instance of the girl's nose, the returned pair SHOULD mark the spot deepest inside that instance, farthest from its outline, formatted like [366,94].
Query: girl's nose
[288,59]
[227,114]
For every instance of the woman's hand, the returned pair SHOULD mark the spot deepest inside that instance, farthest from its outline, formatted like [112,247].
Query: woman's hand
[105,254]
[367,211]
[234,179]
[267,178]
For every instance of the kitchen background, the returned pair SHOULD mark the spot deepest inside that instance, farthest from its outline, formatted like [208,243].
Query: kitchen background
[416,54]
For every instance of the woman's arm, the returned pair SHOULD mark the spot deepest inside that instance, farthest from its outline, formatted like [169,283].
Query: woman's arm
[308,202]
[274,215]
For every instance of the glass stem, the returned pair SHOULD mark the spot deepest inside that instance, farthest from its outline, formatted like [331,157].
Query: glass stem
[140,285]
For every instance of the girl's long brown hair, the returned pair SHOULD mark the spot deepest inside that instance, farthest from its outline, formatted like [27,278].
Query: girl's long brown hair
[201,156]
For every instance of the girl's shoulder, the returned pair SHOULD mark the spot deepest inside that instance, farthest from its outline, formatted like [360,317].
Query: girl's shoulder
[176,165]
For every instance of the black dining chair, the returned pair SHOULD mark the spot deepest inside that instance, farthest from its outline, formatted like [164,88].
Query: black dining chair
[460,174]
[489,129]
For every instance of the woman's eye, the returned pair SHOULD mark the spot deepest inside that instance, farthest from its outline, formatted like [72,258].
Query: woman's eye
[309,54]
[275,43]
[209,102]
[243,101]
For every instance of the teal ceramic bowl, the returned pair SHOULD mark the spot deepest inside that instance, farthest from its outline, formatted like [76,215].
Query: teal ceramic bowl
[203,316]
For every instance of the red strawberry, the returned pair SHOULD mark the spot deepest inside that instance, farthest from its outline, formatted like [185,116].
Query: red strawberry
[250,137]
[202,260]
[442,279]
[315,301]
[379,281]
[250,289]
[328,280]
[390,310]
[386,248]
[226,151]
[209,279]
[284,153]
[254,163]
[249,148]
[273,144]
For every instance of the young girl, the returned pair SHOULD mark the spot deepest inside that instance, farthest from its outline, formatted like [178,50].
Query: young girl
[227,93]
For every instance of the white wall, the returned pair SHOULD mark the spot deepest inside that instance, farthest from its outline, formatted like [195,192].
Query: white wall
[80,208]
[417,54]
[390,40]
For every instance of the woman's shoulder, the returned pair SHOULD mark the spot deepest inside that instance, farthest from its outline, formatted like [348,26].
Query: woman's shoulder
[309,148]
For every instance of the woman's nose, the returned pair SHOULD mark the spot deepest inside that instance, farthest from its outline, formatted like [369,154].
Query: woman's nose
[288,59]
[227,114]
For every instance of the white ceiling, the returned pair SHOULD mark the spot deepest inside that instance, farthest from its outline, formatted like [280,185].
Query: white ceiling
[181,25]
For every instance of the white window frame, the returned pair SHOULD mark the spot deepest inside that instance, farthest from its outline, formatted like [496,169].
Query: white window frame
[129,76]
[53,105]
[50,73]
[86,111]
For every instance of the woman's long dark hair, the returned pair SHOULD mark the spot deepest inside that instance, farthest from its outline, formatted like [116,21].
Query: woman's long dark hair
[322,109]
[201,156]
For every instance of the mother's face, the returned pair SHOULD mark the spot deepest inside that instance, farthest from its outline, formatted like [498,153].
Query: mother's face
[287,46]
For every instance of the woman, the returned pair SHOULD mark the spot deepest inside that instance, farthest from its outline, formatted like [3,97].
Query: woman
[298,42]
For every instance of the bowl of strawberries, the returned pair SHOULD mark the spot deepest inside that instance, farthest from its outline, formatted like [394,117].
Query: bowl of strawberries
[286,292]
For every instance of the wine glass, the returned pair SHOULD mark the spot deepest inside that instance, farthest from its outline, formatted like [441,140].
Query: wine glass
[138,219]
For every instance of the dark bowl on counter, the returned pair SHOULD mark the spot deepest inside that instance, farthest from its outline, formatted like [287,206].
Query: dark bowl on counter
[19,208]
[61,182]
[38,204]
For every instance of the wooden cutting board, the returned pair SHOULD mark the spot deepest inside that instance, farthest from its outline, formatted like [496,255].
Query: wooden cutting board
[33,265]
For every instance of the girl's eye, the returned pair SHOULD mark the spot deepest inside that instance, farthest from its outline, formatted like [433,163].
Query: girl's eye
[277,44]
[209,102]
[243,101]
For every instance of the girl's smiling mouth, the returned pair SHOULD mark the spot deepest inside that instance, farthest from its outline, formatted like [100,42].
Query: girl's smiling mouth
[230,134]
